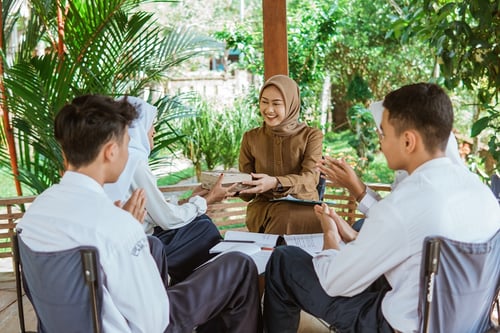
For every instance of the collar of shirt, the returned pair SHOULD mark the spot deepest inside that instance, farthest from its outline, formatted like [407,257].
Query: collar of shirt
[78,179]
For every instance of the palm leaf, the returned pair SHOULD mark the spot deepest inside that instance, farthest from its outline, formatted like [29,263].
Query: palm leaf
[108,50]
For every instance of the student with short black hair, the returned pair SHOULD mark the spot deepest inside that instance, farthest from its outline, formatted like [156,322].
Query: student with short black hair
[92,131]
[369,282]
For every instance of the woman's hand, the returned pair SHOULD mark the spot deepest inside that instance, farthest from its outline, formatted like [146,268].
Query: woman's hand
[261,183]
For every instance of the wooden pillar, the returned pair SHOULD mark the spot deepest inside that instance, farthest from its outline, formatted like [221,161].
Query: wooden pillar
[275,38]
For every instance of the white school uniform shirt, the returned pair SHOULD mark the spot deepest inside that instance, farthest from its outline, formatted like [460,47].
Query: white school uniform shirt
[137,174]
[160,212]
[371,197]
[438,198]
[77,212]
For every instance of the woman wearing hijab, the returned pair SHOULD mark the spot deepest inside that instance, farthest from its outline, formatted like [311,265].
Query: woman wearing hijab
[281,155]
[186,232]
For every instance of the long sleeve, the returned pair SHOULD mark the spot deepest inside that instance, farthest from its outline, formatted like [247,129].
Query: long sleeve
[291,159]
[371,197]
[133,278]
[246,161]
[307,178]
[438,198]
[77,212]
[371,252]
[160,212]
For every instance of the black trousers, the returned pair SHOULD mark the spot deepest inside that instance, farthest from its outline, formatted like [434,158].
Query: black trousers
[187,247]
[292,285]
[159,255]
[225,291]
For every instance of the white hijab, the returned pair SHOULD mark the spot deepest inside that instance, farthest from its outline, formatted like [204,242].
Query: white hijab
[138,147]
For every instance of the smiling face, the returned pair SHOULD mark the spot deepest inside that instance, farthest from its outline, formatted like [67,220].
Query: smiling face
[272,106]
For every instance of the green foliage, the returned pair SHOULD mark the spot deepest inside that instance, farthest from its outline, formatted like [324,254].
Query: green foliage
[490,123]
[378,171]
[311,25]
[364,46]
[365,140]
[336,143]
[339,40]
[110,48]
[374,170]
[358,90]
[248,40]
[242,117]
[464,37]
[312,29]
[213,137]
[7,188]
[200,132]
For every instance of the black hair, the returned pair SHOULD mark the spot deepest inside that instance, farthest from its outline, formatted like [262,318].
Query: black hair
[424,107]
[83,126]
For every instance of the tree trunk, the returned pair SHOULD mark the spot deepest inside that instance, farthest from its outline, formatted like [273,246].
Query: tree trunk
[339,110]
[9,135]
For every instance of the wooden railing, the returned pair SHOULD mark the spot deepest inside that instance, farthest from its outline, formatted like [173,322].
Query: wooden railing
[11,210]
[228,214]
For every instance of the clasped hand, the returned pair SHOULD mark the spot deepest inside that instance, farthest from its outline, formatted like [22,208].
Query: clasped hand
[135,205]
[334,227]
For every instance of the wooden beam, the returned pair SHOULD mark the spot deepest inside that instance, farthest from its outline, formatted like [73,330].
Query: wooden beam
[275,38]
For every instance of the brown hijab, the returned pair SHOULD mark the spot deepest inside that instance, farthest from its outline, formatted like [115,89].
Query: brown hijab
[290,91]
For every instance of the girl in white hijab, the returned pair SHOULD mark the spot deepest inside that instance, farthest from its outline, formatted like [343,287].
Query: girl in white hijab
[186,232]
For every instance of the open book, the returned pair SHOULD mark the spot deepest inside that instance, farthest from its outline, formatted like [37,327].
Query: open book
[260,246]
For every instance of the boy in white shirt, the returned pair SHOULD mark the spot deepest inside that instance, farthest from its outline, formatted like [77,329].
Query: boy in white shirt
[92,131]
[371,284]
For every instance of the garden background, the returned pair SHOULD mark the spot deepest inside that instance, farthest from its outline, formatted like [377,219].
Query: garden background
[344,54]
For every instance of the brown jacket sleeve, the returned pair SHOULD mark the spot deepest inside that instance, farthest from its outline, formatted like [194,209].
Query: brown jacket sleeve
[291,159]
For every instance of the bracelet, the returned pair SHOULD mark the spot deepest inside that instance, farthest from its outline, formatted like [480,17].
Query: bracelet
[361,196]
